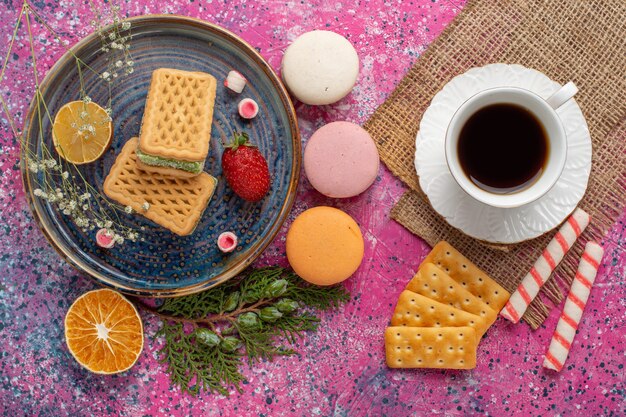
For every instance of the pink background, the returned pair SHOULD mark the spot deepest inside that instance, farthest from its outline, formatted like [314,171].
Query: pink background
[340,370]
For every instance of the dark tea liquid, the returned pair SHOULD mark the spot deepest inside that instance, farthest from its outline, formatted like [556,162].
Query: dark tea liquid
[503,148]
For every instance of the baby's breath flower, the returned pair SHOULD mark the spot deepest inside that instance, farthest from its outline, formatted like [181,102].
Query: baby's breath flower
[145,206]
[33,166]
[70,198]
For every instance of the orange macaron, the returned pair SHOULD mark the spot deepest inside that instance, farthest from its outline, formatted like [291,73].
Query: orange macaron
[324,245]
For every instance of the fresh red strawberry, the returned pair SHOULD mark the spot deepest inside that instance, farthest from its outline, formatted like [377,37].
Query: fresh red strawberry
[245,168]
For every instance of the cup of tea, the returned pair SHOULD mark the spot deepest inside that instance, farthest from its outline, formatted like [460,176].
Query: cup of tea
[506,146]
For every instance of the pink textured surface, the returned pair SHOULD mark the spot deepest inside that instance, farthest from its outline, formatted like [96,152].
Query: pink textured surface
[341,368]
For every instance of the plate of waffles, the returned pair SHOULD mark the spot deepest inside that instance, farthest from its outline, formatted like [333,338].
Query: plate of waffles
[171,117]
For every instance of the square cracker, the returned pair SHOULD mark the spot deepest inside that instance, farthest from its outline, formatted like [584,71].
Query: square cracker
[435,284]
[431,347]
[176,204]
[415,310]
[468,275]
[178,115]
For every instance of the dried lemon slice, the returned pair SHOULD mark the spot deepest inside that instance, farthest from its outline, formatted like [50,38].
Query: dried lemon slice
[81,132]
[103,332]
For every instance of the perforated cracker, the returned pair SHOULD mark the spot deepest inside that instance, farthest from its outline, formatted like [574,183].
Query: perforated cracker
[435,284]
[472,278]
[415,310]
[430,347]
[178,115]
[174,203]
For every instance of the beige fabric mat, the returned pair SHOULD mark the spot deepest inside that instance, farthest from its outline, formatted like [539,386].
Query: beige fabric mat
[578,40]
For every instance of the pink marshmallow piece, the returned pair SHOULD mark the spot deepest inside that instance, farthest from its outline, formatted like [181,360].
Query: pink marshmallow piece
[248,108]
[227,242]
[235,81]
[104,239]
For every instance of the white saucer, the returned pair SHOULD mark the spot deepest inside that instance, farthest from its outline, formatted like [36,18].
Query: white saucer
[478,220]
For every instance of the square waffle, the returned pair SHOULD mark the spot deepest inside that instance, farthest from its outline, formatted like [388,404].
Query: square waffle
[174,203]
[178,115]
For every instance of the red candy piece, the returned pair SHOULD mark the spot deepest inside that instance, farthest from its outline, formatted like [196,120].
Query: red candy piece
[104,239]
[248,108]
[227,242]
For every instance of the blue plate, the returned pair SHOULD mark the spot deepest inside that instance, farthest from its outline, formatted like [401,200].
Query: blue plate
[164,264]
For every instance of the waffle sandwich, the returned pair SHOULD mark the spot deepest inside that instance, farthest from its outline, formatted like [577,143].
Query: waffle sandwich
[174,203]
[176,126]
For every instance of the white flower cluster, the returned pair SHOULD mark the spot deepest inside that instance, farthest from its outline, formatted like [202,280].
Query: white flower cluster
[85,210]
[73,203]
[118,40]
[76,208]
[47,165]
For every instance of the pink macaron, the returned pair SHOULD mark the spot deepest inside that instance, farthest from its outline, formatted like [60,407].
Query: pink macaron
[341,160]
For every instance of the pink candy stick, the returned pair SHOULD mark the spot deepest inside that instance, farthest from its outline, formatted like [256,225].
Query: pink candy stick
[574,306]
[560,244]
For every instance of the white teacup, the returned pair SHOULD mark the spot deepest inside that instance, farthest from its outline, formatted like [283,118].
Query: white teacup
[545,112]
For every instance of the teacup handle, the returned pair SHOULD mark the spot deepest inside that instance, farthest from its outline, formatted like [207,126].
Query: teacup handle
[563,94]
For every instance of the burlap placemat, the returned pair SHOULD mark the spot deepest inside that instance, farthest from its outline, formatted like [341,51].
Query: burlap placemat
[582,41]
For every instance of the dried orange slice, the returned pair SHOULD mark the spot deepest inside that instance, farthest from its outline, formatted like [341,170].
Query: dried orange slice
[103,332]
[81,132]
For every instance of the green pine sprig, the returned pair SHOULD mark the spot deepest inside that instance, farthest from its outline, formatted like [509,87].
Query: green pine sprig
[207,335]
